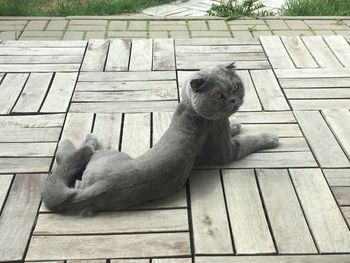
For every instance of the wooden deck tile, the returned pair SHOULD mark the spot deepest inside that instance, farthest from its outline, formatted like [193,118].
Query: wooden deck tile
[272,259]
[95,57]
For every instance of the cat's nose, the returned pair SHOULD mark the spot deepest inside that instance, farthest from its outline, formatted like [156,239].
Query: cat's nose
[233,100]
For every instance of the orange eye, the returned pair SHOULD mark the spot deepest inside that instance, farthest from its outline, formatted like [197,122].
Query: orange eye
[236,87]
[217,95]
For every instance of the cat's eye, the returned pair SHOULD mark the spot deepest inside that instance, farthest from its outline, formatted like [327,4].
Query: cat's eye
[217,95]
[236,87]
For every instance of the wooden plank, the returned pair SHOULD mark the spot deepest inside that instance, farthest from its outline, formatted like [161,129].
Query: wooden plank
[27,149]
[161,122]
[29,134]
[339,122]
[213,49]
[320,51]
[298,52]
[107,129]
[163,54]
[171,260]
[39,44]
[313,73]
[325,220]
[141,55]
[216,41]
[250,230]
[251,100]
[282,130]
[134,95]
[118,55]
[77,126]
[297,144]
[40,59]
[265,117]
[10,88]
[346,212]
[39,67]
[136,134]
[342,195]
[86,261]
[18,216]
[233,56]
[276,52]
[32,121]
[33,93]
[25,165]
[337,177]
[109,246]
[333,93]
[274,259]
[193,64]
[326,150]
[287,221]
[95,55]
[340,48]
[315,83]
[183,78]
[127,106]
[5,184]
[60,93]
[113,223]
[320,104]
[126,86]
[40,51]
[127,76]
[270,160]
[269,90]
[210,224]
[129,261]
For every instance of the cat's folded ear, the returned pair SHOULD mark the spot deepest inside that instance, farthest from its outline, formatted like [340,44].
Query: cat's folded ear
[197,84]
[230,66]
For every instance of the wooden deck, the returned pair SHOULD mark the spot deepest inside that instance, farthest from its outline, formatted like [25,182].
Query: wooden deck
[289,204]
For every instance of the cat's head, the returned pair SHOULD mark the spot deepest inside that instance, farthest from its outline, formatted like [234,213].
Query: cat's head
[215,93]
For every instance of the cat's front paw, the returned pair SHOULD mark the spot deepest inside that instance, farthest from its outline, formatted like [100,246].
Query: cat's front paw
[270,140]
[91,140]
[235,128]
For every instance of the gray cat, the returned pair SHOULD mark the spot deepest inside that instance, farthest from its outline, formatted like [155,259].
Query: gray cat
[90,179]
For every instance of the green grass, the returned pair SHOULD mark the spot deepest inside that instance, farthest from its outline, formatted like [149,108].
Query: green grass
[233,9]
[74,7]
[316,8]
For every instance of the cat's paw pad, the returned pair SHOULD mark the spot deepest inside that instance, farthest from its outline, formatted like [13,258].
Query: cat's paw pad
[270,140]
[91,140]
[235,128]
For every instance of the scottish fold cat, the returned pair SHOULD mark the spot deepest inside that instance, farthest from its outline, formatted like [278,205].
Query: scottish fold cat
[90,179]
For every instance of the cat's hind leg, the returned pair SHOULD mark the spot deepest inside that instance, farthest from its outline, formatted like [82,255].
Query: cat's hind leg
[235,127]
[92,141]
[65,149]
[245,144]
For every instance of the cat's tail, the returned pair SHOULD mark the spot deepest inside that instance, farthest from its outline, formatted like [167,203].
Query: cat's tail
[58,193]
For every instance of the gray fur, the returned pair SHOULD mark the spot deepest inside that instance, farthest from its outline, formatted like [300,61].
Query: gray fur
[91,179]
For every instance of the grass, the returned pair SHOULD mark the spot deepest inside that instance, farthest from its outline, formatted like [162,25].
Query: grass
[232,9]
[74,7]
[316,8]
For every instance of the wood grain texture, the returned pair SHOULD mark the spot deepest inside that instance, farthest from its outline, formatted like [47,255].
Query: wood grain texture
[313,73]
[163,54]
[320,104]
[325,220]
[304,83]
[60,93]
[46,149]
[210,223]
[118,55]
[107,129]
[287,221]
[342,195]
[250,230]
[269,91]
[29,134]
[127,76]
[10,88]
[136,134]
[340,48]
[320,51]
[327,151]
[337,177]
[24,165]
[141,55]
[251,99]
[109,246]
[95,57]
[265,117]
[161,122]
[33,93]
[18,216]
[32,121]
[281,129]
[276,52]
[113,223]
[5,183]
[333,93]
[298,52]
